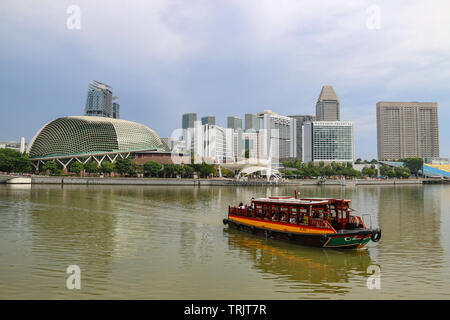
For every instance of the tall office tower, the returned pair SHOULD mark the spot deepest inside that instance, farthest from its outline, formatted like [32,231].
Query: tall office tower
[188,120]
[217,144]
[407,129]
[211,120]
[328,141]
[251,122]
[327,106]
[278,137]
[234,123]
[99,100]
[300,120]
[116,108]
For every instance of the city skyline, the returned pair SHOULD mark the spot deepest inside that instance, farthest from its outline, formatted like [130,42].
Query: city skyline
[186,70]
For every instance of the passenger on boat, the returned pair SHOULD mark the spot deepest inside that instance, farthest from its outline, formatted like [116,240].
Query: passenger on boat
[241,205]
[292,219]
[283,218]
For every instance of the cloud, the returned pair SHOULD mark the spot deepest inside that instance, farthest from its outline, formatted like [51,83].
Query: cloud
[225,57]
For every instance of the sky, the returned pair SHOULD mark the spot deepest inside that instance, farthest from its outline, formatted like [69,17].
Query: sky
[222,58]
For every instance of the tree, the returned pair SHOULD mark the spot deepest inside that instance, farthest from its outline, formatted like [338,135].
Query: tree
[152,168]
[401,172]
[91,167]
[52,167]
[124,166]
[369,171]
[169,170]
[76,167]
[107,167]
[358,161]
[180,169]
[14,161]
[387,171]
[207,169]
[413,164]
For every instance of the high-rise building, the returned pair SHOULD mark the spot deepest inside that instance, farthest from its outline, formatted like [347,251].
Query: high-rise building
[116,108]
[188,120]
[278,137]
[300,120]
[327,106]
[251,122]
[328,141]
[99,101]
[407,129]
[234,123]
[209,120]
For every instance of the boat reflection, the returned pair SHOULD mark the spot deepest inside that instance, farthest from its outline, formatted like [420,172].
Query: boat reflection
[302,268]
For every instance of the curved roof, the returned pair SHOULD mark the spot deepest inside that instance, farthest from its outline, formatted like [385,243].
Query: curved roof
[83,135]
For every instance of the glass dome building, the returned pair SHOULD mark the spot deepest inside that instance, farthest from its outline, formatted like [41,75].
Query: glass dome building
[84,136]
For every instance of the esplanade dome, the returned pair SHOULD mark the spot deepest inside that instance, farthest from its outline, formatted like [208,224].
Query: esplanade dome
[87,135]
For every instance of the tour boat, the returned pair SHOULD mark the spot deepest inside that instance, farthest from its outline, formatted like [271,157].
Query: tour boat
[322,222]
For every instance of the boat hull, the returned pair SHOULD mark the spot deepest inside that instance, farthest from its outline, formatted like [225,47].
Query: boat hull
[348,239]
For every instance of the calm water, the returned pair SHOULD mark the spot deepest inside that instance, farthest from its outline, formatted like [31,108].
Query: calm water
[169,243]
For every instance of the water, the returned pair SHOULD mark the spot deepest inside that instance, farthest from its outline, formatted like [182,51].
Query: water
[134,242]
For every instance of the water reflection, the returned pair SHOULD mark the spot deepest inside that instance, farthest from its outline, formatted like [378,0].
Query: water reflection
[315,270]
[169,242]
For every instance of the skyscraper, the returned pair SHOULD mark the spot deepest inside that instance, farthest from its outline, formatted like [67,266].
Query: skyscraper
[251,122]
[211,120]
[327,106]
[234,123]
[188,120]
[328,141]
[99,100]
[278,137]
[299,132]
[116,108]
[407,129]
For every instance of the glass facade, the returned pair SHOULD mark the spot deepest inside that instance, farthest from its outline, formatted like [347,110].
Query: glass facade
[328,141]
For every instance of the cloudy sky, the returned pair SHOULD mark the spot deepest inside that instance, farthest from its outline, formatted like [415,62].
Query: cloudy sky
[222,57]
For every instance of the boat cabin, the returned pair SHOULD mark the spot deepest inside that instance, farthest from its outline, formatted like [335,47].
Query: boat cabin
[313,212]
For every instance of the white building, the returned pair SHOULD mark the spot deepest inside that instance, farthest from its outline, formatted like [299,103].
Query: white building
[278,137]
[328,141]
[209,143]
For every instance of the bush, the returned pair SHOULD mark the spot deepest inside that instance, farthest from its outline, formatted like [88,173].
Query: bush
[14,161]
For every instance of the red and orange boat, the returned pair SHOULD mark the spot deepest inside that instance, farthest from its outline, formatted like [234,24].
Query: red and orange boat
[322,222]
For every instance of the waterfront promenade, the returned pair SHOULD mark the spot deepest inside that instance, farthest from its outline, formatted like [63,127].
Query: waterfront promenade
[202,182]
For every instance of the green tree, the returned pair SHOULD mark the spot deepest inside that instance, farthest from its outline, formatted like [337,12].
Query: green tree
[413,164]
[76,167]
[51,167]
[152,168]
[107,167]
[169,170]
[91,167]
[124,166]
[206,170]
[189,171]
[14,161]
[180,169]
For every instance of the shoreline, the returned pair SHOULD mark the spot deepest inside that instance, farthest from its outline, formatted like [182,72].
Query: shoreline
[204,182]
